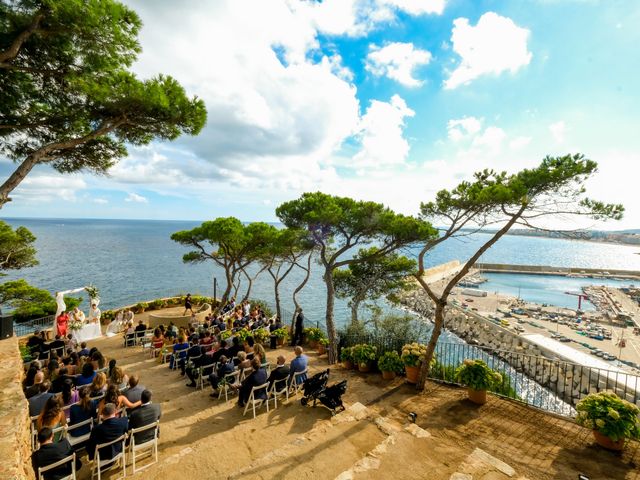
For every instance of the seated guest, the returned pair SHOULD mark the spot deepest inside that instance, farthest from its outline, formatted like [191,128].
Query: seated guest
[57,346]
[255,379]
[280,372]
[225,367]
[113,395]
[84,351]
[248,346]
[243,361]
[69,394]
[30,377]
[259,352]
[51,452]
[34,389]
[57,384]
[298,364]
[51,371]
[206,362]
[146,414]
[129,335]
[82,411]
[98,360]
[87,376]
[134,392]
[220,351]
[195,351]
[70,363]
[35,341]
[235,347]
[118,378]
[111,428]
[179,350]
[52,416]
[98,386]
[157,341]
[70,343]
[140,329]
[37,402]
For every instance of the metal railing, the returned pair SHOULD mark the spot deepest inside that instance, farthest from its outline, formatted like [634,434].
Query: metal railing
[30,326]
[548,384]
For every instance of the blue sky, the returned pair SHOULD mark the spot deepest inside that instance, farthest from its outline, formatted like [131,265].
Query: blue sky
[388,100]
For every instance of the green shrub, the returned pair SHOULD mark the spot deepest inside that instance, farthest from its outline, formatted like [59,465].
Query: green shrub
[390,362]
[610,415]
[477,375]
[263,305]
[261,335]
[413,354]
[140,307]
[324,342]
[156,304]
[281,333]
[346,354]
[313,334]
[225,334]
[242,334]
[364,353]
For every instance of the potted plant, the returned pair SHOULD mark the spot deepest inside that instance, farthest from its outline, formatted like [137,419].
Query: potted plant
[363,355]
[346,357]
[261,335]
[282,334]
[390,364]
[611,419]
[140,307]
[412,355]
[313,336]
[322,346]
[478,378]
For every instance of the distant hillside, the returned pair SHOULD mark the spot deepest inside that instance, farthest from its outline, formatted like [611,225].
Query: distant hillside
[627,237]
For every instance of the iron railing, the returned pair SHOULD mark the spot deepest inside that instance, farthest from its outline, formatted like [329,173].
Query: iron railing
[30,326]
[548,384]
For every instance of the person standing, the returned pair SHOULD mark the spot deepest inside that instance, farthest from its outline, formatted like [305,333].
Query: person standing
[297,336]
[94,313]
[188,306]
[62,322]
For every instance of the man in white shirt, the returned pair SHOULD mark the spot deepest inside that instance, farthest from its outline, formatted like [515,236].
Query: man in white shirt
[94,313]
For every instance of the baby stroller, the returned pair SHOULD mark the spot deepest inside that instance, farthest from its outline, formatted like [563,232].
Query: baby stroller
[315,388]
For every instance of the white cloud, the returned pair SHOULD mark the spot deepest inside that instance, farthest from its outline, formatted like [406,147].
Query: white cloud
[397,61]
[491,138]
[100,201]
[519,143]
[558,131]
[382,139]
[134,197]
[418,7]
[496,44]
[460,128]
[46,188]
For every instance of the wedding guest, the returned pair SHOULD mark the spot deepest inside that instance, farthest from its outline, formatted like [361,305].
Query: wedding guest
[52,416]
[62,322]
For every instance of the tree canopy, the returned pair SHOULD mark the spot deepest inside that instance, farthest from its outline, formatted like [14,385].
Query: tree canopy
[30,302]
[67,98]
[339,224]
[16,248]
[530,197]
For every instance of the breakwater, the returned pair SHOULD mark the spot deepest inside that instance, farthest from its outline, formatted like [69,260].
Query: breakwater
[569,381]
[562,271]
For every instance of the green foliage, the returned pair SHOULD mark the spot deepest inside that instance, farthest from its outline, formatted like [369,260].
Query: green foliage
[25,353]
[16,246]
[29,302]
[413,354]
[268,311]
[346,354]
[610,415]
[66,95]
[242,334]
[140,307]
[390,362]
[281,333]
[261,335]
[363,353]
[477,375]
[323,341]
[156,304]
[313,334]
[92,291]
[448,373]
[107,316]
[225,334]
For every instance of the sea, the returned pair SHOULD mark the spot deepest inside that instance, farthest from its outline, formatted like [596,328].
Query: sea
[135,260]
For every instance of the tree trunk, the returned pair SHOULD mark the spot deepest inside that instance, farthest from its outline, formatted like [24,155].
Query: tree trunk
[298,289]
[18,176]
[354,311]
[246,295]
[438,323]
[276,293]
[227,290]
[332,349]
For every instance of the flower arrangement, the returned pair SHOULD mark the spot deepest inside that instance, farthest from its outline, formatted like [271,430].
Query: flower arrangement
[477,375]
[610,415]
[363,353]
[76,325]
[313,334]
[413,354]
[281,333]
[261,335]
[92,291]
[390,362]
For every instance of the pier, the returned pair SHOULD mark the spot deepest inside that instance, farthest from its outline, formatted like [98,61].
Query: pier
[561,271]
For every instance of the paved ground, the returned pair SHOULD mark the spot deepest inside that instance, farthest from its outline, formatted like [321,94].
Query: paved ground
[454,439]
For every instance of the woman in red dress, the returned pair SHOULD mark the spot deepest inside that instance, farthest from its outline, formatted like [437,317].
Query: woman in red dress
[62,321]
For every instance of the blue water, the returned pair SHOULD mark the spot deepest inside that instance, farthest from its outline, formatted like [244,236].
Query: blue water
[134,260]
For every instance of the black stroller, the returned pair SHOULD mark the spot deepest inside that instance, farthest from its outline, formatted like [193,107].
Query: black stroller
[315,388]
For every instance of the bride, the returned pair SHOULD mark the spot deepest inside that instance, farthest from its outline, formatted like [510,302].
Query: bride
[116,324]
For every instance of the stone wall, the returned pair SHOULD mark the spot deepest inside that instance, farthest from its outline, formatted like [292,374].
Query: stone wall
[15,447]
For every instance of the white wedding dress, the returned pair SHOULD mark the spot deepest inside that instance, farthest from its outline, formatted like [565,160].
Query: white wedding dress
[115,326]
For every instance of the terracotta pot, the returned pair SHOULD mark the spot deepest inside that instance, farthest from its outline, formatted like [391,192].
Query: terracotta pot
[313,344]
[477,396]
[321,349]
[607,443]
[348,364]
[388,375]
[280,341]
[364,367]
[412,374]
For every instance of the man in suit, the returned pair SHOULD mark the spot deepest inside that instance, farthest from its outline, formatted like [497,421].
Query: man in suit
[36,403]
[194,351]
[233,350]
[298,364]
[111,428]
[206,362]
[220,352]
[57,346]
[135,390]
[298,331]
[50,452]
[279,373]
[255,379]
[225,367]
[144,415]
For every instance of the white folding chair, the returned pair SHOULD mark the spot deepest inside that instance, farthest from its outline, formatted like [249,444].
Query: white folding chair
[257,401]
[120,458]
[34,431]
[295,385]
[267,367]
[149,446]
[245,373]
[76,440]
[228,380]
[279,388]
[72,476]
